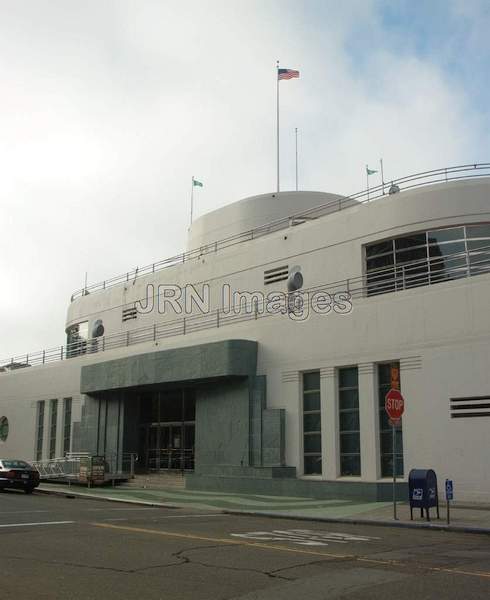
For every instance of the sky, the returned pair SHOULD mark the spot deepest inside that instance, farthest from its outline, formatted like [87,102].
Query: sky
[109,107]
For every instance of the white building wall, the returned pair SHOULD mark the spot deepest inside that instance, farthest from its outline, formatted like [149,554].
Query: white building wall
[20,392]
[440,334]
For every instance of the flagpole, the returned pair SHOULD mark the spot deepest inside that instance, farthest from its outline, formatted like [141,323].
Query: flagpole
[367,182]
[277,116]
[296,140]
[382,176]
[192,197]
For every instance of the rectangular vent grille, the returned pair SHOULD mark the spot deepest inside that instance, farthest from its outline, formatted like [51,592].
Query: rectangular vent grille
[476,406]
[129,313]
[276,274]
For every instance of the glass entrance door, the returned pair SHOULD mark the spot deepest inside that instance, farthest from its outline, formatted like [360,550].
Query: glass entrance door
[167,430]
[170,447]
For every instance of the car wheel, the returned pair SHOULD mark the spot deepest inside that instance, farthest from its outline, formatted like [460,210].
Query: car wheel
[28,490]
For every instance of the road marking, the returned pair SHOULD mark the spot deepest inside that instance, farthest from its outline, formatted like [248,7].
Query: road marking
[125,509]
[189,536]
[34,524]
[191,516]
[18,512]
[303,537]
[261,546]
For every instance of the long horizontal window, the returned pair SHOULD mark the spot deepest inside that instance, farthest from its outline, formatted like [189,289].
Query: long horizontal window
[427,257]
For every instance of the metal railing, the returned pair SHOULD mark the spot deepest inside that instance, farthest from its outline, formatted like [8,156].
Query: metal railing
[171,459]
[65,467]
[427,271]
[68,467]
[444,175]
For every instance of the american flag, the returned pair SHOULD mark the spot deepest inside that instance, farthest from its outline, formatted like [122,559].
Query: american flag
[287,74]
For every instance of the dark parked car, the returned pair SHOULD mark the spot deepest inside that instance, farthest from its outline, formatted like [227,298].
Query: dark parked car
[18,474]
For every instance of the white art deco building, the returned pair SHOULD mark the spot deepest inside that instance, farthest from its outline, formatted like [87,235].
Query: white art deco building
[258,360]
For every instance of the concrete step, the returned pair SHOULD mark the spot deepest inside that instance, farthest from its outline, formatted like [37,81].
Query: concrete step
[156,481]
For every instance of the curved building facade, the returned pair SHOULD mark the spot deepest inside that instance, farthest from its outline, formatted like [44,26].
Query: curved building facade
[259,359]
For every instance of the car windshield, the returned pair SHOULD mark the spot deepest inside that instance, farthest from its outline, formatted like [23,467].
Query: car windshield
[15,464]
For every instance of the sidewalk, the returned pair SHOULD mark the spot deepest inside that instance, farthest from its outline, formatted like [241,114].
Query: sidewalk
[468,519]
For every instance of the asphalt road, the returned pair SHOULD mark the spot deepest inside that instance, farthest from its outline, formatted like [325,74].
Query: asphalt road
[56,547]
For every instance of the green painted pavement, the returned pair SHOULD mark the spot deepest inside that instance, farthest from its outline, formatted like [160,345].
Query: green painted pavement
[293,506]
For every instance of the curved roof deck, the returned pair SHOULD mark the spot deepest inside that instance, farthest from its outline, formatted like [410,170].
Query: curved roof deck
[334,204]
[252,213]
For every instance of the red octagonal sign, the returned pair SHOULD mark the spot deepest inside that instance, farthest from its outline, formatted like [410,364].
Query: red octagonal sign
[394,404]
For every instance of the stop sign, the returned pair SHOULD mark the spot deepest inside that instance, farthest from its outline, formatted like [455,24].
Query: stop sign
[394,404]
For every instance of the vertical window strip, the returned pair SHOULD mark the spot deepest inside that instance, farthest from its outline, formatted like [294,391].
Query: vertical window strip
[52,428]
[312,424]
[349,424]
[385,429]
[67,402]
[40,430]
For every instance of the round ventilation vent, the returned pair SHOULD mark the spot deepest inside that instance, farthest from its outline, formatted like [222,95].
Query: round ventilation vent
[97,328]
[295,279]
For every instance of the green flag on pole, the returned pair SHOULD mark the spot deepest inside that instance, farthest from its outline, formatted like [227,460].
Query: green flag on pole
[196,183]
[370,171]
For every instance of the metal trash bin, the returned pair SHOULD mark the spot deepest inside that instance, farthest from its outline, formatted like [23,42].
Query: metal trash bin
[422,486]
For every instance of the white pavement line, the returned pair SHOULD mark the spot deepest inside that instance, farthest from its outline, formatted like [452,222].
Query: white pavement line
[34,524]
[189,516]
[18,512]
[105,508]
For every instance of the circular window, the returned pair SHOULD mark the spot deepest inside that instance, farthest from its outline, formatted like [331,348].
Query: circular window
[4,429]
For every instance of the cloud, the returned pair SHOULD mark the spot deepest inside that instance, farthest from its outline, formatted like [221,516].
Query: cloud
[109,108]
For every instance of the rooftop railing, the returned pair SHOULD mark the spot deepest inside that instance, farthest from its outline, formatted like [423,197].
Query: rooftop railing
[395,278]
[446,175]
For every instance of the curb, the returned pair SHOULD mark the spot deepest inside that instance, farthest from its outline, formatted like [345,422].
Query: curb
[275,515]
[354,521]
[67,493]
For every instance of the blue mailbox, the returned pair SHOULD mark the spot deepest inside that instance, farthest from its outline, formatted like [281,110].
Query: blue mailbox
[422,486]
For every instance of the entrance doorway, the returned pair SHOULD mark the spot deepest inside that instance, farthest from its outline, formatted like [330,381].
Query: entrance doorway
[167,430]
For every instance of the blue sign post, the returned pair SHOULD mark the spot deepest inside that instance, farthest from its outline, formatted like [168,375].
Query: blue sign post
[449,496]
